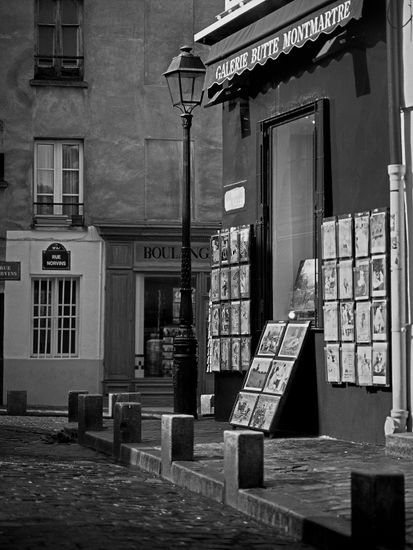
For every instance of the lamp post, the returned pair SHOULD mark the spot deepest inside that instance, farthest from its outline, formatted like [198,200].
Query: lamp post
[185,78]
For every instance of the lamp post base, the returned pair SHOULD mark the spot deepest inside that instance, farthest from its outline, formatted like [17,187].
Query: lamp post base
[185,372]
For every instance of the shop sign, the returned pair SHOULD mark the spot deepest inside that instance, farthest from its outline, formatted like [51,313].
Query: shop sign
[56,257]
[10,271]
[167,252]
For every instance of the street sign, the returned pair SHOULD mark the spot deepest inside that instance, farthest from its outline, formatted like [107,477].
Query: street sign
[56,257]
[10,271]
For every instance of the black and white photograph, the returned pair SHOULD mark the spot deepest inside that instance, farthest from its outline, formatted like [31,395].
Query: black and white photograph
[332,359]
[378,275]
[271,338]
[257,373]
[361,234]
[265,409]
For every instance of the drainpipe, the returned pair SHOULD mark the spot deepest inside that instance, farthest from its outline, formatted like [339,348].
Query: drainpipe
[396,422]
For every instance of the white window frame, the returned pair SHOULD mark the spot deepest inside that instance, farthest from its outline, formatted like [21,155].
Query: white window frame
[49,321]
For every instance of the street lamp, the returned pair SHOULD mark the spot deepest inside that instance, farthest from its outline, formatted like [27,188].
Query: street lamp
[185,78]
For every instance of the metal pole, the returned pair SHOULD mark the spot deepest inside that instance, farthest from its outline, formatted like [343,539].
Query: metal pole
[185,369]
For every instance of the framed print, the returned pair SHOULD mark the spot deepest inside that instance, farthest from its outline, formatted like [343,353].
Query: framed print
[245,324]
[233,245]
[345,279]
[264,412]
[225,319]
[347,321]
[380,364]
[328,239]
[244,280]
[378,275]
[244,243]
[235,317]
[345,236]
[243,408]
[234,282]
[215,251]
[224,246]
[332,359]
[364,366]
[303,296]
[236,354]
[330,310]
[215,355]
[215,285]
[224,283]
[361,234]
[363,322]
[245,352]
[362,279]
[225,353]
[293,339]
[278,376]
[379,320]
[215,319]
[348,363]
[329,270]
[378,224]
[257,373]
[271,338]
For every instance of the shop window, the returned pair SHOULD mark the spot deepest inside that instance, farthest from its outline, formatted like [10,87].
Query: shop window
[55,317]
[59,49]
[58,180]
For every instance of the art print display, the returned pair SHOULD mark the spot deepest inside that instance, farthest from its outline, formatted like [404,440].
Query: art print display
[378,275]
[328,239]
[235,317]
[345,236]
[364,366]
[278,376]
[234,282]
[215,319]
[329,270]
[224,283]
[271,338]
[345,280]
[225,354]
[236,354]
[264,412]
[293,339]
[378,222]
[215,285]
[225,319]
[361,234]
[303,298]
[362,279]
[330,311]
[257,373]
[243,408]
[380,364]
[363,322]
[234,245]
[379,319]
[348,363]
[224,246]
[332,362]
[244,280]
[244,243]
[245,352]
[215,251]
[215,354]
[347,321]
[245,323]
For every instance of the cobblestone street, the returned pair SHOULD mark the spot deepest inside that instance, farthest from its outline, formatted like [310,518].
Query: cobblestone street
[58,495]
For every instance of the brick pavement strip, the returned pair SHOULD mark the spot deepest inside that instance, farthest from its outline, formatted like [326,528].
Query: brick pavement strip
[62,496]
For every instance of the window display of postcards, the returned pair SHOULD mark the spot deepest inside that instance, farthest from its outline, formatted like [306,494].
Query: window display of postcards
[264,412]
[363,322]
[379,320]
[348,363]
[225,353]
[215,354]
[234,282]
[378,275]
[215,319]
[362,279]
[345,236]
[224,246]
[345,279]
[380,364]
[235,317]
[225,319]
[243,408]
[378,222]
[224,283]
[293,339]
[364,367]
[257,373]
[244,280]
[278,376]
[215,251]
[236,354]
[245,316]
[245,243]
[332,362]
[215,285]
[245,352]
[329,270]
[330,310]
[271,338]
[234,245]
[361,234]
[328,239]
[347,321]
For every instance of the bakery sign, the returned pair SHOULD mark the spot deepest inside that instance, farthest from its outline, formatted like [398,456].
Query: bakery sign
[56,257]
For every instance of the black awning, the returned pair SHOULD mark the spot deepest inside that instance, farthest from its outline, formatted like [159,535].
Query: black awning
[277,33]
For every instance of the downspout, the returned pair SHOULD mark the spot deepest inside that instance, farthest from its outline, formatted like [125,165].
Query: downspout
[396,422]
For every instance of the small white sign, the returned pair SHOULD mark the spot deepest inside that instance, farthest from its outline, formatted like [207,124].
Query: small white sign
[234,199]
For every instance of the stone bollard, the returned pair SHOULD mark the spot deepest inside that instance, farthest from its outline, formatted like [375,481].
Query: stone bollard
[90,414]
[243,462]
[127,425]
[377,510]
[125,397]
[177,440]
[17,402]
[73,404]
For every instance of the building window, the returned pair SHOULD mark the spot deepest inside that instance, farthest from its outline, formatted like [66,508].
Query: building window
[58,179]
[59,47]
[55,318]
